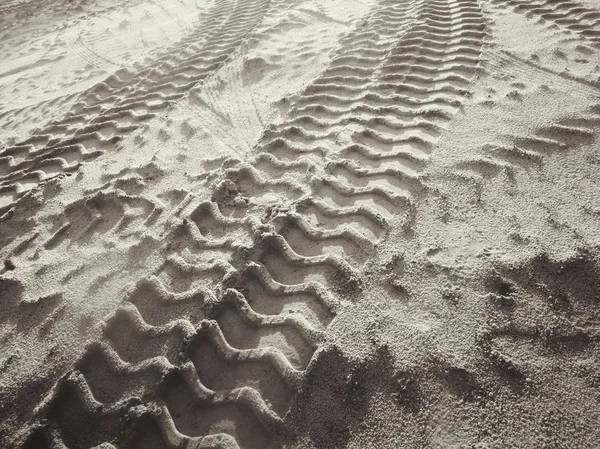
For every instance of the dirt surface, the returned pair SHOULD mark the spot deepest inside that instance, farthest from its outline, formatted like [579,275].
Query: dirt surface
[321,224]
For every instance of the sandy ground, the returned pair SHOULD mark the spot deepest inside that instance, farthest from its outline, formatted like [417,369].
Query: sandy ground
[299,224]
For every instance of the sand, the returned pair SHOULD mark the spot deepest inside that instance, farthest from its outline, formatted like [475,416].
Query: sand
[299,224]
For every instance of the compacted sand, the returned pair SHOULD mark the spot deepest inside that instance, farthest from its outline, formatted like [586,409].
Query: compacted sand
[299,224]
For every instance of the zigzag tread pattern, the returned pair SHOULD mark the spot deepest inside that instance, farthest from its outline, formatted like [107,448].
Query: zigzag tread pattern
[529,152]
[565,14]
[211,353]
[105,114]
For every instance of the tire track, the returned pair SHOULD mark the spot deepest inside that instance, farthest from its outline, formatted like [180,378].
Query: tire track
[360,135]
[226,328]
[360,152]
[393,126]
[528,152]
[119,105]
[565,14]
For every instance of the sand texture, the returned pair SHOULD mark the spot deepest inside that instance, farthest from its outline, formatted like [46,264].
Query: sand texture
[300,224]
